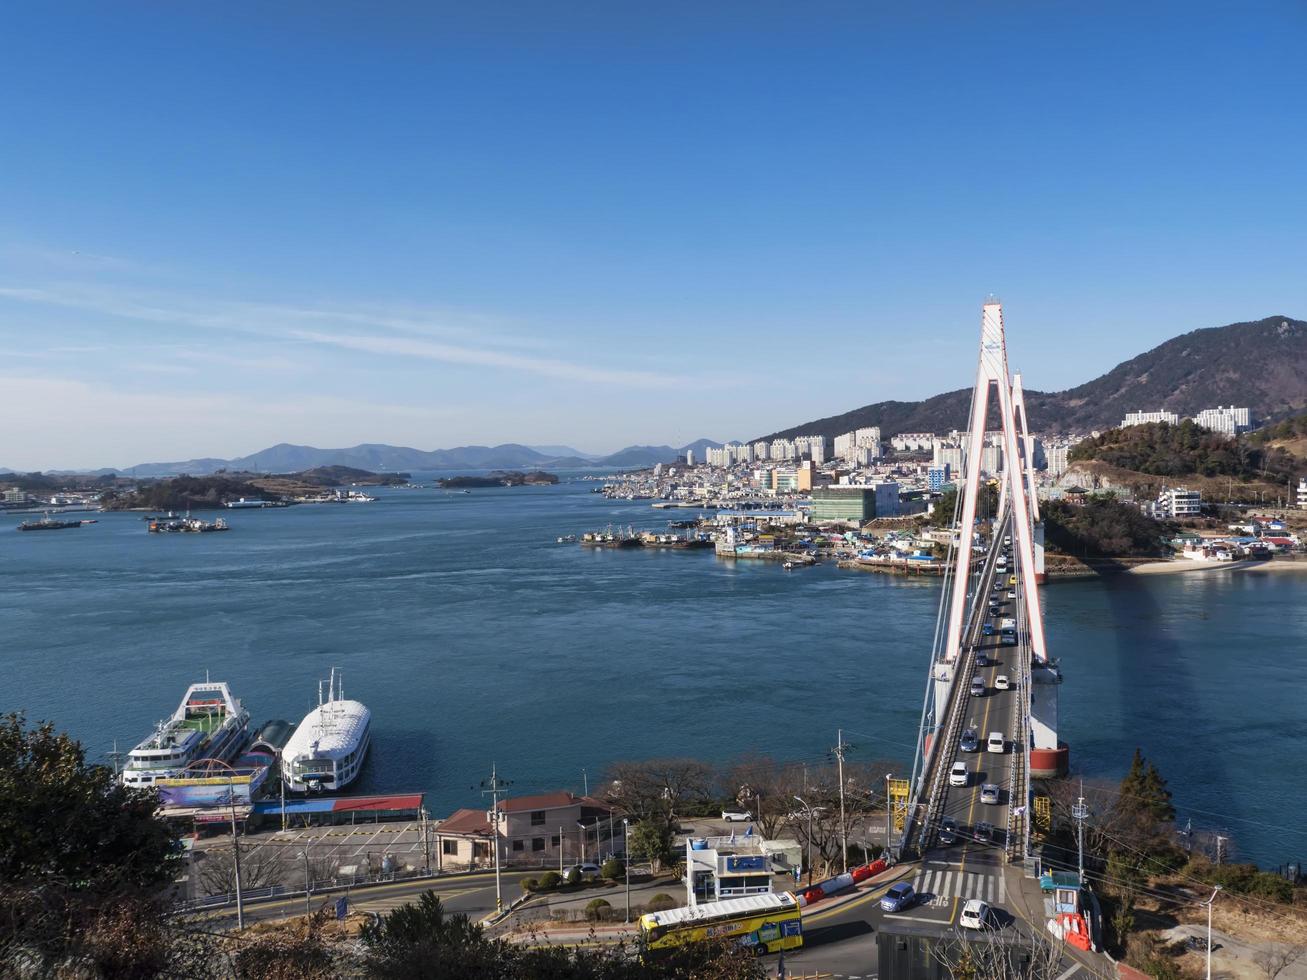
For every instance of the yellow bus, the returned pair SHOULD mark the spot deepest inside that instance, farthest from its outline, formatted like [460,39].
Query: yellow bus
[767,923]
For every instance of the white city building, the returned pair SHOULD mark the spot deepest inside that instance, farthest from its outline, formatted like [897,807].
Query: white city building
[1143,418]
[1179,502]
[814,447]
[761,451]
[1229,421]
[689,457]
[783,449]
[1302,492]
[1058,458]
[912,442]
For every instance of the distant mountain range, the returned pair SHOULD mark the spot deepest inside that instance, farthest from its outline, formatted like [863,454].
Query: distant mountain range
[1261,364]
[379,458]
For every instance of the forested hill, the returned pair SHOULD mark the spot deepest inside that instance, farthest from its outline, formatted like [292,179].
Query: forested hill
[1159,449]
[1261,364]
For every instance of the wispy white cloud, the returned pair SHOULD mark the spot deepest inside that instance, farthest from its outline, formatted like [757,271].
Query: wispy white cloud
[453,354]
[470,341]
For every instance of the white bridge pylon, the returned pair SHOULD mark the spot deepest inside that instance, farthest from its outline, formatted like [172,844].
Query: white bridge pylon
[1017,487]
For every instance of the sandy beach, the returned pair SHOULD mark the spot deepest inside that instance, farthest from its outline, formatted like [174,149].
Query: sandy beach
[1192,565]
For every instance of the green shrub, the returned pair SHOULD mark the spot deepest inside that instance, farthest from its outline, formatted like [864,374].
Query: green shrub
[661,903]
[613,869]
[530,884]
[550,880]
[597,910]
[572,877]
[1244,879]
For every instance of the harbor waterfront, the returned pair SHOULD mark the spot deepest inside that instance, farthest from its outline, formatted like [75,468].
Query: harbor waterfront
[473,635]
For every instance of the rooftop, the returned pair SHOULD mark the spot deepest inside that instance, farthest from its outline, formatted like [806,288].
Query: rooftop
[466,821]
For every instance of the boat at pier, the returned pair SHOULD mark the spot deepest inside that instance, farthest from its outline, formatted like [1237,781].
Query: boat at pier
[208,724]
[182,525]
[327,750]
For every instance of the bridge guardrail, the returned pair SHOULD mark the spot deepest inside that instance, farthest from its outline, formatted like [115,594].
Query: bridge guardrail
[953,709]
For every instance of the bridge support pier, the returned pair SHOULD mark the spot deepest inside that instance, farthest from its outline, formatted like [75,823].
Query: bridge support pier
[1049,757]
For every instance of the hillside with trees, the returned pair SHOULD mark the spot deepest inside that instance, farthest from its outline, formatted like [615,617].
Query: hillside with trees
[1261,364]
[186,493]
[1160,449]
[1101,527]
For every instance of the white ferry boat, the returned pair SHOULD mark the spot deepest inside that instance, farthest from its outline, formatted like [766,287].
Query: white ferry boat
[208,724]
[326,751]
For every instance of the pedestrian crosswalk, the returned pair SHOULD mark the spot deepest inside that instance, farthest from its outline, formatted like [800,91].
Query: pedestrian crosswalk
[941,886]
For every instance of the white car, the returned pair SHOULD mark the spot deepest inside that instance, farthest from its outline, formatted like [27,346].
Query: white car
[1012,594]
[1001,683]
[734,816]
[989,793]
[958,775]
[996,743]
[975,915]
[581,872]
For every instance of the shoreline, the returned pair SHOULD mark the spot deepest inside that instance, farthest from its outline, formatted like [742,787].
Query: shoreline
[1193,565]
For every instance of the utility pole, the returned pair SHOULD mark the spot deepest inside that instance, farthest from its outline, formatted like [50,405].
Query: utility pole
[560,849]
[426,839]
[840,747]
[1209,903]
[1079,813]
[585,781]
[494,787]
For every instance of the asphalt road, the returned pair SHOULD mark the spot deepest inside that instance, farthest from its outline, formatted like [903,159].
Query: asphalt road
[472,894]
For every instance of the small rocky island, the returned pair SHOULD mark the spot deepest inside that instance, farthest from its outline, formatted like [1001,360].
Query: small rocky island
[499,478]
[181,493]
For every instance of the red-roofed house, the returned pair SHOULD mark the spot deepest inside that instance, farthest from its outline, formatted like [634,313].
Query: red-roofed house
[536,831]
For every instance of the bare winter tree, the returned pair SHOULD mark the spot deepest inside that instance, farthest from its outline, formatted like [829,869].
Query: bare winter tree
[994,955]
[766,788]
[653,789]
[260,867]
[1274,960]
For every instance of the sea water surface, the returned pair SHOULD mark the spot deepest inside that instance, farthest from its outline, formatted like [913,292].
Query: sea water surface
[474,637]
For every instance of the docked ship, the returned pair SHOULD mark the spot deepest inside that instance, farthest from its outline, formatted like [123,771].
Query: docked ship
[326,751]
[208,724]
[48,523]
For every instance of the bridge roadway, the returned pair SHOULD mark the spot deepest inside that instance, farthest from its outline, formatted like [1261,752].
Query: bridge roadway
[972,867]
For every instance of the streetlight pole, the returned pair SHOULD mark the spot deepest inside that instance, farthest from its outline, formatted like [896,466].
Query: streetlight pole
[235,844]
[626,863]
[809,862]
[1209,903]
[308,884]
[889,818]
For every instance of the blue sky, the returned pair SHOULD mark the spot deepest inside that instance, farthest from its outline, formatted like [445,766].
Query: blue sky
[224,226]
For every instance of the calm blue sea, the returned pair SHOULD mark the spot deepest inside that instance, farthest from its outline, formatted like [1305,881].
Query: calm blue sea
[474,637]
